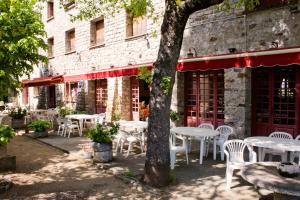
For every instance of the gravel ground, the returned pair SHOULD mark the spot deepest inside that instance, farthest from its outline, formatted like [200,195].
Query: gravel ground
[46,173]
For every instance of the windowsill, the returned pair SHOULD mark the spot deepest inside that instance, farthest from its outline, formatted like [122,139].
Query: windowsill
[97,46]
[50,18]
[70,52]
[135,37]
[69,7]
[50,57]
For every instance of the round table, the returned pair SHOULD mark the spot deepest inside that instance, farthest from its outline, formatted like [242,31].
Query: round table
[273,143]
[200,133]
[265,175]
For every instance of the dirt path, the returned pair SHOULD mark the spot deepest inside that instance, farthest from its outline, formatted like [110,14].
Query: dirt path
[46,173]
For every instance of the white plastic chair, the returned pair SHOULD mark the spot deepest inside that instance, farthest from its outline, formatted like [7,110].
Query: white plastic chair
[61,126]
[293,155]
[234,151]
[174,148]
[70,127]
[224,131]
[121,138]
[271,152]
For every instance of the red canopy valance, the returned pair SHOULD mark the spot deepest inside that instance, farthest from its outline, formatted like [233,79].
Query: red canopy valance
[44,81]
[131,70]
[269,58]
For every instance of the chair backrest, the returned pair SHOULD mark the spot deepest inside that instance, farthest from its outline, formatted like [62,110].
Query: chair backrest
[225,131]
[235,150]
[282,135]
[207,126]
[298,137]
[172,139]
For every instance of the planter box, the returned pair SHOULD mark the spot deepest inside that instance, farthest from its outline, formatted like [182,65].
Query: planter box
[40,134]
[18,123]
[102,152]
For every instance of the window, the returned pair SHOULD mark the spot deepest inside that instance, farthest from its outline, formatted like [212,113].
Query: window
[50,6]
[50,47]
[136,26]
[70,41]
[71,92]
[204,97]
[97,32]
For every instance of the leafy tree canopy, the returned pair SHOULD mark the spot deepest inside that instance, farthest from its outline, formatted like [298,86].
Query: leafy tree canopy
[21,37]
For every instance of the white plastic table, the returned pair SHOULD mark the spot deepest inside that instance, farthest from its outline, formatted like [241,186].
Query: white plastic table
[273,143]
[81,118]
[199,133]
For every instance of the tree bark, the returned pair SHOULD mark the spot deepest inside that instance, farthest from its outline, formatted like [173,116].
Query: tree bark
[157,164]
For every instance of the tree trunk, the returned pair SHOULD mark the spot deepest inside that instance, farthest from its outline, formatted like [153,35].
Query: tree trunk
[157,165]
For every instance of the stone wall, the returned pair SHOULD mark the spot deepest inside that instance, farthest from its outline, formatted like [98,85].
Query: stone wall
[237,100]
[90,97]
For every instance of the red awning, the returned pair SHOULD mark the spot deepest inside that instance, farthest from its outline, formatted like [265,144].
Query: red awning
[131,70]
[44,81]
[268,58]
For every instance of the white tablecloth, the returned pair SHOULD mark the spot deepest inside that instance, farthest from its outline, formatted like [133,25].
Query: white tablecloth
[81,118]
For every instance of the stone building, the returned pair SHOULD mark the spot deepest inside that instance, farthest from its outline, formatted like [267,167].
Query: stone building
[239,68]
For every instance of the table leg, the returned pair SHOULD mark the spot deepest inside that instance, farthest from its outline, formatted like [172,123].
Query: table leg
[80,127]
[201,150]
[259,153]
[215,148]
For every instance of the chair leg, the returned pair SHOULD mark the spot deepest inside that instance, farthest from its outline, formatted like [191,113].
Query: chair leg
[129,148]
[70,132]
[59,127]
[118,143]
[222,152]
[172,159]
[229,173]
[122,145]
[187,157]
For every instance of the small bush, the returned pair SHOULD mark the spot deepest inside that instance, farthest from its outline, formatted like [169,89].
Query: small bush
[18,113]
[63,111]
[6,133]
[39,126]
[103,134]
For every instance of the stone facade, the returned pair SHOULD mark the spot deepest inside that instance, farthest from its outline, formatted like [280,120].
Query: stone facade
[208,32]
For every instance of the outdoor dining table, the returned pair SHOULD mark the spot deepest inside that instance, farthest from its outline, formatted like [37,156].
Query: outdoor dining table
[81,118]
[202,133]
[265,175]
[273,143]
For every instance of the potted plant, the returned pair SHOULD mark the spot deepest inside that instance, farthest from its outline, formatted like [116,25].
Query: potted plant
[17,116]
[40,128]
[175,118]
[6,133]
[63,111]
[102,137]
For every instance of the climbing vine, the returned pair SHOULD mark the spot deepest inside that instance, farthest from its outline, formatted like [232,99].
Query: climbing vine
[145,74]
[166,84]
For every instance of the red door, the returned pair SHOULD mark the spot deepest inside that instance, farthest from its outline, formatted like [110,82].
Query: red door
[204,97]
[101,95]
[135,105]
[275,97]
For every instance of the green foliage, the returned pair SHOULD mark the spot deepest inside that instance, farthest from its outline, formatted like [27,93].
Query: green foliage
[39,125]
[103,134]
[248,4]
[116,117]
[145,74]
[166,84]
[63,111]
[129,174]
[6,133]
[18,113]
[21,37]
[174,116]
